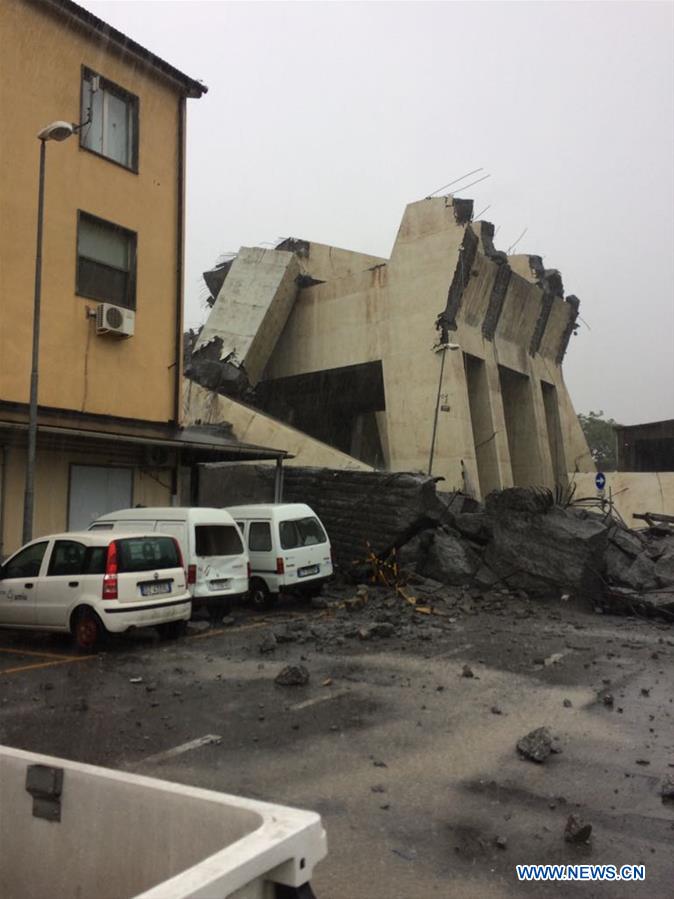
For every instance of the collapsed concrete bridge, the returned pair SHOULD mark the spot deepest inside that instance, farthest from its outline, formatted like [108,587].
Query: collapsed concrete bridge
[447,357]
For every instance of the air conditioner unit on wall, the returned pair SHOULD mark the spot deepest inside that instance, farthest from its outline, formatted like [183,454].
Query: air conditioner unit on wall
[115,320]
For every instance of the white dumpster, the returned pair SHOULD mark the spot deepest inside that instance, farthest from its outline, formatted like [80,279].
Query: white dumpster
[73,831]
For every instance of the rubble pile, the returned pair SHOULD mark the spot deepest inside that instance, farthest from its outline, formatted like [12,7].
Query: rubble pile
[520,539]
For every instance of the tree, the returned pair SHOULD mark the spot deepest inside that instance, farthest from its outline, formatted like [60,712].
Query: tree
[601,439]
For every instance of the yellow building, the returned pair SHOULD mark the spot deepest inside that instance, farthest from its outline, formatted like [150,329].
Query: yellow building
[110,354]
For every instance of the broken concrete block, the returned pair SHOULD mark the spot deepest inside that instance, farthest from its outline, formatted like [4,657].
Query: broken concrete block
[536,745]
[245,333]
[618,564]
[667,788]
[268,644]
[627,541]
[664,567]
[414,552]
[535,546]
[449,559]
[382,629]
[475,526]
[653,603]
[576,830]
[641,574]
[292,676]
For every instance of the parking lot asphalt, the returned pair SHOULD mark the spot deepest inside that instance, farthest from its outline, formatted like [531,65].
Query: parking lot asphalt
[411,762]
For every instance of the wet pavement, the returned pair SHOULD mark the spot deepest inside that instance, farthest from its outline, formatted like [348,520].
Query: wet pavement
[412,764]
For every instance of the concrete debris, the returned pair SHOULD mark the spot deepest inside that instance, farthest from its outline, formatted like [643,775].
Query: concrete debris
[382,629]
[292,676]
[667,788]
[268,644]
[664,567]
[449,559]
[576,830]
[549,547]
[536,745]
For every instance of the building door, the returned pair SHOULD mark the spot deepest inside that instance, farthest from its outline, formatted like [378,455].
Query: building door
[96,490]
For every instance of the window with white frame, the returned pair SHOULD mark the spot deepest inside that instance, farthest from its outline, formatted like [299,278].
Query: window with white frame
[111,117]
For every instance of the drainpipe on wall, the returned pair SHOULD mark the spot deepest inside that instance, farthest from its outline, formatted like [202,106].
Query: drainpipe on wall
[180,250]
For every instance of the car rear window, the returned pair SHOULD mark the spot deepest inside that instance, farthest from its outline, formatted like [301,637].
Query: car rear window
[146,553]
[301,532]
[217,540]
[94,560]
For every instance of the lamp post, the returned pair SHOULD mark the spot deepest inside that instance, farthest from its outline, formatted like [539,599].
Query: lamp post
[58,131]
[439,348]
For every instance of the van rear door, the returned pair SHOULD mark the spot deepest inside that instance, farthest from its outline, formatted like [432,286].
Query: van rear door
[221,559]
[305,549]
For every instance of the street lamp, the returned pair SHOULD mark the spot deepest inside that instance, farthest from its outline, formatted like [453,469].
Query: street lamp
[58,131]
[439,348]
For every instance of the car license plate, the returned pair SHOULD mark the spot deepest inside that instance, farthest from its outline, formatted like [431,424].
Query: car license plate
[155,589]
[308,571]
[218,585]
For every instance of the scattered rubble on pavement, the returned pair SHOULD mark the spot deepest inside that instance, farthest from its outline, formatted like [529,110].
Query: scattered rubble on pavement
[292,676]
[536,746]
[576,830]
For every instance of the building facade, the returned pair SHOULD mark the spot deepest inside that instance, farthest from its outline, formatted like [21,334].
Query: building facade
[646,447]
[110,368]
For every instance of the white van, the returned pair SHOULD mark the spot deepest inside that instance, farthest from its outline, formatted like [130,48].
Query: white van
[211,543]
[288,547]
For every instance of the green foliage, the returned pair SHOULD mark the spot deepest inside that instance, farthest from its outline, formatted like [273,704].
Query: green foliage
[601,439]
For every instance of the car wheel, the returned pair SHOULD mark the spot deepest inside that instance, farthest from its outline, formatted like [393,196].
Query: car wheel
[172,630]
[260,596]
[88,631]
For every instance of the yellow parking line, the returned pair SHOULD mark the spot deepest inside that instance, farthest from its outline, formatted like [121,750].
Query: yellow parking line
[45,664]
[30,652]
[205,634]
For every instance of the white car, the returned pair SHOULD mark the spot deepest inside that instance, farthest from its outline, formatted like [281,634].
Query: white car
[93,583]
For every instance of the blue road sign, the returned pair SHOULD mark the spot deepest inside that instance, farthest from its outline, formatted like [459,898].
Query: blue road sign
[600,480]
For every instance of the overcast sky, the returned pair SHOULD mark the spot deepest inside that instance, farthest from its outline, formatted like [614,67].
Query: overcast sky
[323,120]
